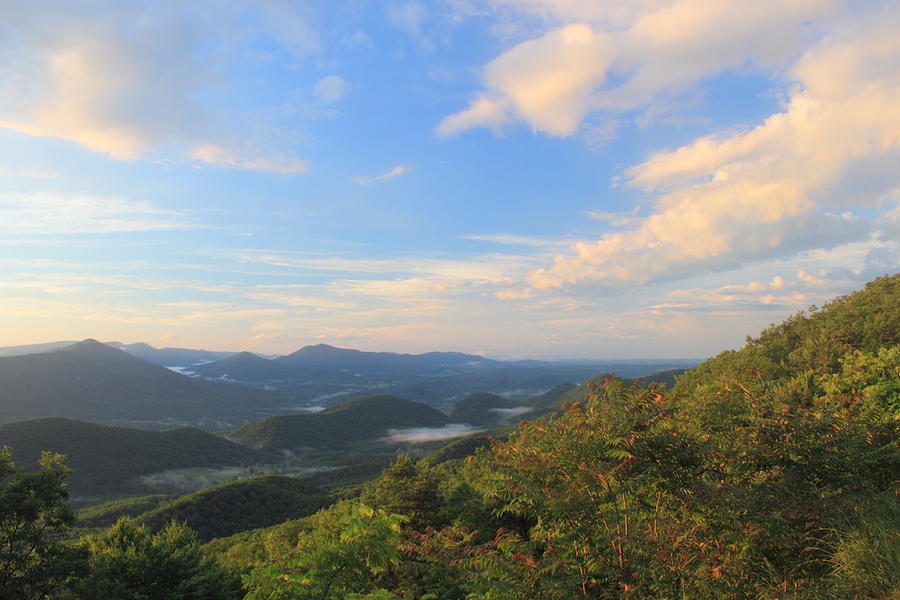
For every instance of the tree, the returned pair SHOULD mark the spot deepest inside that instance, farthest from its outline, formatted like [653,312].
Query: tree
[34,515]
[348,553]
[127,562]
[408,488]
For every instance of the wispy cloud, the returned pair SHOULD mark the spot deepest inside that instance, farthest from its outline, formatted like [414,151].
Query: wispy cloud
[52,214]
[393,173]
[219,156]
[29,173]
[508,239]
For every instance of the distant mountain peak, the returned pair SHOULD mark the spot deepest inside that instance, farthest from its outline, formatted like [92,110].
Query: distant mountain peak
[89,344]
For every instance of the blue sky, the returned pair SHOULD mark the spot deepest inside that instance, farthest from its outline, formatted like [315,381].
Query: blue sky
[519,178]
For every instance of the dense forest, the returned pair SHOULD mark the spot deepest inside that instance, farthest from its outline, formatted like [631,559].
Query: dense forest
[768,472]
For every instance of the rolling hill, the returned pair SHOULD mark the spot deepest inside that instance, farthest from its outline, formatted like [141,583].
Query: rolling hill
[105,459]
[91,381]
[362,420]
[251,503]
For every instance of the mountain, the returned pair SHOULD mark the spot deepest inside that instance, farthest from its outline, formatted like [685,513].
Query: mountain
[325,357]
[324,361]
[362,420]
[94,382]
[105,458]
[240,505]
[243,366]
[169,357]
[33,348]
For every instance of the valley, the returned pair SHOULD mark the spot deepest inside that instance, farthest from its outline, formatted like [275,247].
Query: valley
[831,376]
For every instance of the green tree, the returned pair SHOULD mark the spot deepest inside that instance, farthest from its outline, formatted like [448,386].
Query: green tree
[408,488]
[349,553]
[127,562]
[34,515]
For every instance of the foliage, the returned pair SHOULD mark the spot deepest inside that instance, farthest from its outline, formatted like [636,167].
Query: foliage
[788,360]
[236,506]
[34,515]
[866,557]
[364,419]
[106,459]
[129,563]
[409,489]
[105,514]
[344,557]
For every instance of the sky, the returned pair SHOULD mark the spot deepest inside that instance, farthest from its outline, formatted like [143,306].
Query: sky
[514,178]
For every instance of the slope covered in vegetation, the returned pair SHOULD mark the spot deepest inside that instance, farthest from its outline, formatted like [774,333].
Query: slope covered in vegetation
[772,473]
[251,503]
[104,458]
[362,420]
[769,473]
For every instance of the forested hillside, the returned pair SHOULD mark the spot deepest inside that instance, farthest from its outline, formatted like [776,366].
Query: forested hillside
[240,505]
[771,472]
[105,458]
[361,420]
[767,473]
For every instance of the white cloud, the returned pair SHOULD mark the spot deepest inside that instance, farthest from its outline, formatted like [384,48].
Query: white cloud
[652,48]
[547,82]
[393,173]
[784,186]
[126,79]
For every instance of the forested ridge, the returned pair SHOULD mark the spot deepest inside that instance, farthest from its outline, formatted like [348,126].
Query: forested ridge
[768,472]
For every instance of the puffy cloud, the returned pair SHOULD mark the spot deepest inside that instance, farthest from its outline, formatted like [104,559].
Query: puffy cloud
[652,48]
[774,190]
[126,79]
[547,82]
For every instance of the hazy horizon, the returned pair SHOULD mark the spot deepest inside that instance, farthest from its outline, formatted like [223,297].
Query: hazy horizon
[512,178]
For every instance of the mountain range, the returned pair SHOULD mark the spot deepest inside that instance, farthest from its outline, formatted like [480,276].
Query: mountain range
[94,382]
[125,384]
